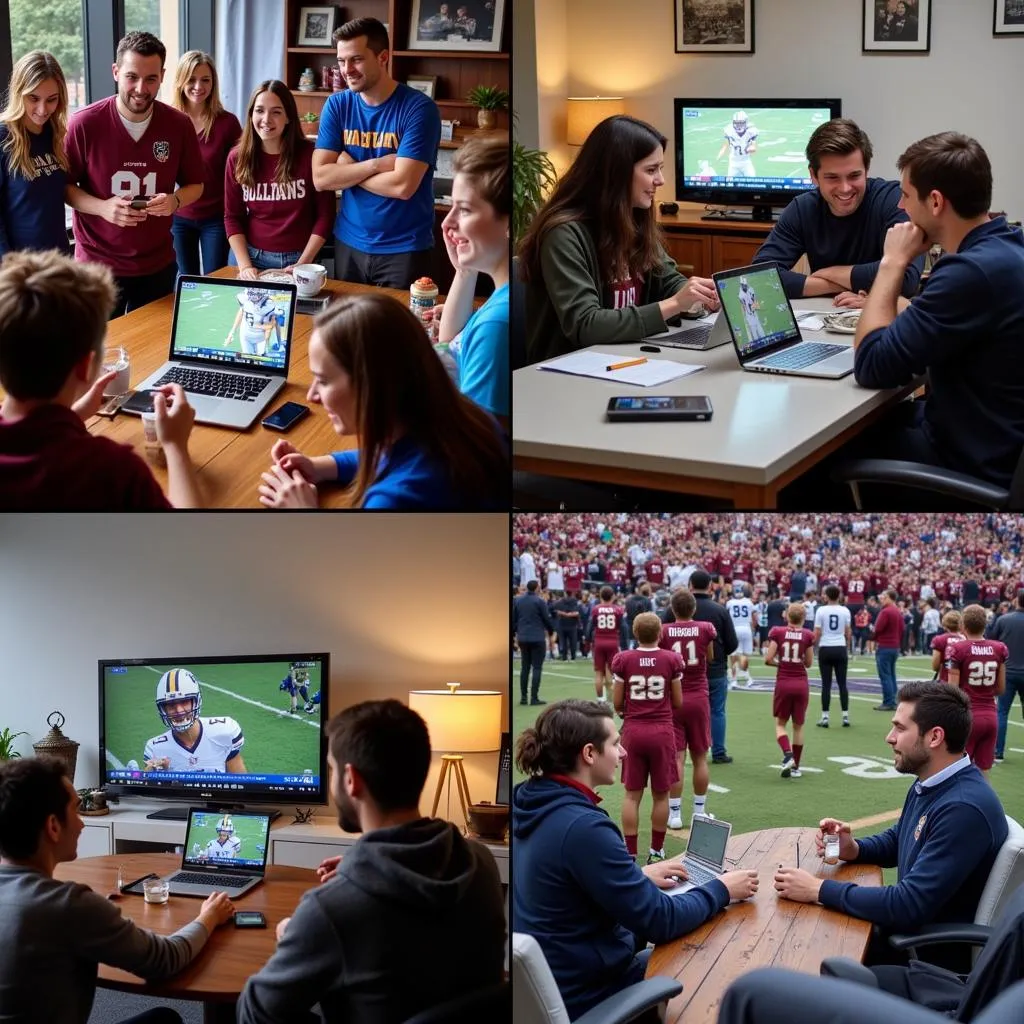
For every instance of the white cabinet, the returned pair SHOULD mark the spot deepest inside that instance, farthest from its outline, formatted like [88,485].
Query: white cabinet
[94,841]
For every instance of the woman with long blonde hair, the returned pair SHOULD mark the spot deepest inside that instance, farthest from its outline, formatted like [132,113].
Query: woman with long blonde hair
[273,215]
[198,228]
[33,162]
[422,444]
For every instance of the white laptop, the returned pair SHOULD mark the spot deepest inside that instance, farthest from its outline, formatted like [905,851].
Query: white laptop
[693,334]
[224,852]
[764,329]
[230,348]
[704,859]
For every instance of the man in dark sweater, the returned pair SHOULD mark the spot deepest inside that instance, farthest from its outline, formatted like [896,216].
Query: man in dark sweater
[840,224]
[945,843]
[532,624]
[575,888]
[708,610]
[964,328]
[54,934]
[887,631]
[410,917]
[1009,628]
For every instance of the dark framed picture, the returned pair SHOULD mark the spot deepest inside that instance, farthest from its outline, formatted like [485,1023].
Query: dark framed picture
[1008,18]
[469,25]
[714,26]
[897,26]
[316,25]
[425,84]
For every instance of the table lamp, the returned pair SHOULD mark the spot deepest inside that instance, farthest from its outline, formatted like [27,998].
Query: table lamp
[586,112]
[460,722]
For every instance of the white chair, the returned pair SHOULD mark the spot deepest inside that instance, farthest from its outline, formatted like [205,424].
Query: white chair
[538,1001]
[1007,873]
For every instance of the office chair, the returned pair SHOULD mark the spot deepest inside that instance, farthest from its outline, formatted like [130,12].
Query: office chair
[935,479]
[1000,964]
[538,1000]
[487,1004]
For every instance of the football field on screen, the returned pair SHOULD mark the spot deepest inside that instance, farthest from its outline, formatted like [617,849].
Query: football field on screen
[781,141]
[846,773]
[206,316]
[248,830]
[276,742]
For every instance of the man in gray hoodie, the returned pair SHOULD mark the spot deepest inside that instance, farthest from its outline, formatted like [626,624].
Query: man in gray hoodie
[54,934]
[410,917]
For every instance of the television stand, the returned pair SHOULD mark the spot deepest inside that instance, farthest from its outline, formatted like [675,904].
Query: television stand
[759,212]
[180,813]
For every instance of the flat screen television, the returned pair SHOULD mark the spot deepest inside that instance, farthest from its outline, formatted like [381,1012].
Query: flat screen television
[749,152]
[228,731]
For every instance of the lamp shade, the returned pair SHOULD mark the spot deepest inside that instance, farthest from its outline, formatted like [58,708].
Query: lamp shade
[460,721]
[586,112]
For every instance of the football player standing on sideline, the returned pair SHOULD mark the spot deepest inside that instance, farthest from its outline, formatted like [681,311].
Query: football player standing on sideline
[832,635]
[794,646]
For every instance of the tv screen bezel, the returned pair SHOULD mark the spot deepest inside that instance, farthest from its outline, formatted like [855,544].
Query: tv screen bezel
[318,797]
[738,196]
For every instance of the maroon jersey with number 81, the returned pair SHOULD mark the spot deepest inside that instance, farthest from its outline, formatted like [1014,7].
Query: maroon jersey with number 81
[647,673]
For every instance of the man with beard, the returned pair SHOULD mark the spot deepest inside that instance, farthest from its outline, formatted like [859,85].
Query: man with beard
[944,843]
[409,883]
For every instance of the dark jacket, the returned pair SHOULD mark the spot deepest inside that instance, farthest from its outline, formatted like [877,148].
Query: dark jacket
[1009,628]
[719,617]
[531,620]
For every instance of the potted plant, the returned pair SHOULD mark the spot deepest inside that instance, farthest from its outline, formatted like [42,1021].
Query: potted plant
[533,175]
[7,738]
[487,99]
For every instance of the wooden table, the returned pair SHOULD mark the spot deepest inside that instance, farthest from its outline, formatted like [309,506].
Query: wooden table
[220,972]
[229,461]
[765,931]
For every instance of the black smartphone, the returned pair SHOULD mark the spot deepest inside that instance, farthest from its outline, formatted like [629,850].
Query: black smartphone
[286,416]
[659,407]
[249,919]
[140,402]
[139,204]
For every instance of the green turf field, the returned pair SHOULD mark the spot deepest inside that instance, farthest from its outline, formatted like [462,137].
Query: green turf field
[846,773]
[276,742]
[773,313]
[250,833]
[781,140]
[206,314]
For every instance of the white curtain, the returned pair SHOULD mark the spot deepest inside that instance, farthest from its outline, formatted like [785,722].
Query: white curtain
[250,48]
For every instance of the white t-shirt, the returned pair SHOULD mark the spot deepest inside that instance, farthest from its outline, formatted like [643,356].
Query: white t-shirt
[527,569]
[833,620]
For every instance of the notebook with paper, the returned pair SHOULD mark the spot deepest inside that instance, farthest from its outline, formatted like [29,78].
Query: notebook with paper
[645,373]
[704,859]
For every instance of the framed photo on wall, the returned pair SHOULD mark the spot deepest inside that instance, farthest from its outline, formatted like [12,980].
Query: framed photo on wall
[425,84]
[710,26]
[316,25]
[897,26]
[466,25]
[1008,19]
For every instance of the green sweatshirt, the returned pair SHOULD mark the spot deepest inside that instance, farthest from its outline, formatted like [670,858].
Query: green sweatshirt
[568,311]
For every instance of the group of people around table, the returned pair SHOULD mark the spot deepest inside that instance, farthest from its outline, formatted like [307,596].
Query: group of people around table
[159,190]
[596,272]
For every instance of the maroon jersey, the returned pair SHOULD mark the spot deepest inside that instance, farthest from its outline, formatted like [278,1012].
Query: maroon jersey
[607,619]
[943,643]
[106,161]
[223,135]
[878,582]
[791,643]
[725,564]
[990,593]
[914,593]
[647,674]
[784,579]
[942,590]
[655,571]
[572,575]
[616,574]
[745,569]
[690,641]
[978,662]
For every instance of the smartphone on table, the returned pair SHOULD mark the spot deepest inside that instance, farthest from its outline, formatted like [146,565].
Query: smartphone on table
[286,416]
[627,408]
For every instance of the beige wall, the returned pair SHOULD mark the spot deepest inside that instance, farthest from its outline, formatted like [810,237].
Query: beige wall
[554,55]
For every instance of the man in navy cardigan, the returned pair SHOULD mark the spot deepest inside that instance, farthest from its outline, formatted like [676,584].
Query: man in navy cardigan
[575,887]
[945,843]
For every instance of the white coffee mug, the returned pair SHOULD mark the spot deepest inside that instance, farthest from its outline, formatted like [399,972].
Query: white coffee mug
[310,278]
[116,358]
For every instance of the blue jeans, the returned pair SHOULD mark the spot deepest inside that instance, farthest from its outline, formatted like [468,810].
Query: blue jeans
[885,661]
[263,260]
[718,687]
[1014,687]
[195,238]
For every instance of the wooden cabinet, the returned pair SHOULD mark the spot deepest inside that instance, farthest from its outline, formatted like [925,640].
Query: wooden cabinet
[702,247]
[692,253]
[727,253]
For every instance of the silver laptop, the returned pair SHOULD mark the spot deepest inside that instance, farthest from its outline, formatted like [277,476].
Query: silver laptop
[764,329]
[704,859]
[230,348]
[692,334]
[224,852]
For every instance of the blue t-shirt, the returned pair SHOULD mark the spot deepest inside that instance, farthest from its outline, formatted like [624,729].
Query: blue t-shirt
[407,124]
[32,210]
[483,358]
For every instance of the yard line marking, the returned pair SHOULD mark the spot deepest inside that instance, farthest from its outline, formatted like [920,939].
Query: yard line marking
[875,819]
[722,789]
[117,766]
[1015,750]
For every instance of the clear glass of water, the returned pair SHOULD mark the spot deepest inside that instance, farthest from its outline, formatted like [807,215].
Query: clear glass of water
[155,890]
[831,849]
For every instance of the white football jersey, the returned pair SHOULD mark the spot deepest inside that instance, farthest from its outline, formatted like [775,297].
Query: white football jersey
[747,300]
[741,609]
[833,620]
[227,851]
[219,739]
[738,144]
[256,315]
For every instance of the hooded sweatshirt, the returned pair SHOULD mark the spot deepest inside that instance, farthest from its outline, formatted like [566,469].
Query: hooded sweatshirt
[413,917]
[578,892]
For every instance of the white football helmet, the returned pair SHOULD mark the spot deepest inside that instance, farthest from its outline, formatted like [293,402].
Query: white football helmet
[176,685]
[226,825]
[739,121]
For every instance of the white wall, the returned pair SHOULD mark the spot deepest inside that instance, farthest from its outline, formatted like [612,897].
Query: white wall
[555,52]
[375,590]
[970,81]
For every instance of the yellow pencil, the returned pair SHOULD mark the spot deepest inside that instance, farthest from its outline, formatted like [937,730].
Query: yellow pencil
[622,366]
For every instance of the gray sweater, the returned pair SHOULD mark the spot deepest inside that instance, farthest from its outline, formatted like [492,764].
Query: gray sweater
[413,918]
[54,934]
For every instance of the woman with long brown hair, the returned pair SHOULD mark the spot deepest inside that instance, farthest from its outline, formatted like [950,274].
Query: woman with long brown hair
[198,228]
[273,216]
[33,161]
[422,443]
[593,261]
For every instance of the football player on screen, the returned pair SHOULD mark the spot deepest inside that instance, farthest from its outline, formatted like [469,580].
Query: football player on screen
[751,304]
[296,684]
[740,143]
[191,743]
[260,315]
[226,845]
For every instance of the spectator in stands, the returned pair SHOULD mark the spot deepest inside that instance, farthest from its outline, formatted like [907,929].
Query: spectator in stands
[944,844]
[1009,629]
[888,634]
[708,610]
[531,624]
[575,887]
[55,933]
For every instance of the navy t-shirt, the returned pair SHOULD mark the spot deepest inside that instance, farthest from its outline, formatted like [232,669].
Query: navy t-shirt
[32,209]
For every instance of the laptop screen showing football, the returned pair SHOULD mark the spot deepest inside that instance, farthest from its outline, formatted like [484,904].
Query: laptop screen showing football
[757,309]
[232,840]
[237,323]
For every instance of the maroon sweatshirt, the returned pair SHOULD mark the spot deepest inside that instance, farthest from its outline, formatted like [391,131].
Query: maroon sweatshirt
[889,627]
[223,136]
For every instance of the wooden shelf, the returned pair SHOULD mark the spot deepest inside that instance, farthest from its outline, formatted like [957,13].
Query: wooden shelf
[313,49]
[452,54]
[312,92]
